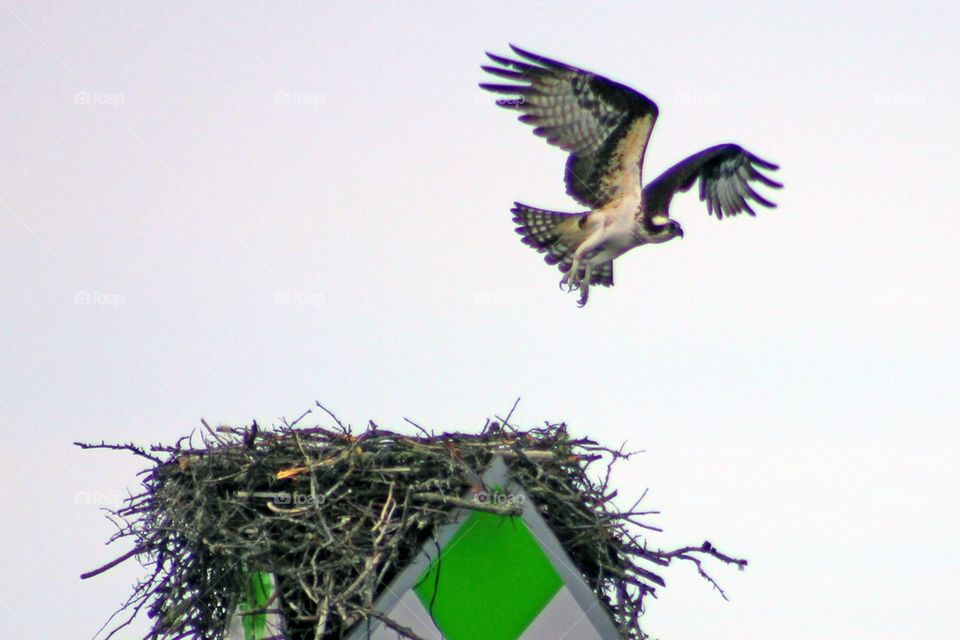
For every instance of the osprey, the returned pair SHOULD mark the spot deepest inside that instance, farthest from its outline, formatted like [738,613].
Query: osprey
[606,126]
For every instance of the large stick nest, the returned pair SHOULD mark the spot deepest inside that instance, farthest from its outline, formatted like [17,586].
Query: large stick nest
[370,501]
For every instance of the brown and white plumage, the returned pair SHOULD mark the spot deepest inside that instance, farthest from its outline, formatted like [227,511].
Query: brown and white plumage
[724,171]
[605,126]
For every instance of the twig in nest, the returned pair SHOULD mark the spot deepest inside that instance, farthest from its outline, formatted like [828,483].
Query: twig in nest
[450,501]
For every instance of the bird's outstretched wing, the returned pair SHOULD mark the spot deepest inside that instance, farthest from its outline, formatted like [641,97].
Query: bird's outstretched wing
[725,172]
[604,125]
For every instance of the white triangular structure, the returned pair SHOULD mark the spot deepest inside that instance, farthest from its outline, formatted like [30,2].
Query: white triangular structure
[431,597]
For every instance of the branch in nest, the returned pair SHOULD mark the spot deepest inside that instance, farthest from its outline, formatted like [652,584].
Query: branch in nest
[512,510]
[110,565]
[686,553]
[132,448]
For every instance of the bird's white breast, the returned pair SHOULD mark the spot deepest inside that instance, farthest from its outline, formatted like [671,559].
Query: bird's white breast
[620,228]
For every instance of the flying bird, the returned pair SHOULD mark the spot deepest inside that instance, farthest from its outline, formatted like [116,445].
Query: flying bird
[605,126]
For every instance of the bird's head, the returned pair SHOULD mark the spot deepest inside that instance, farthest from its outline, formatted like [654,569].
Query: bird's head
[662,228]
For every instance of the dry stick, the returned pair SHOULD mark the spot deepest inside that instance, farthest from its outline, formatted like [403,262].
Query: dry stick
[426,434]
[531,454]
[332,415]
[514,510]
[323,610]
[404,632]
[213,433]
[506,421]
[309,461]
[110,565]
[707,548]
[294,423]
[373,559]
[120,447]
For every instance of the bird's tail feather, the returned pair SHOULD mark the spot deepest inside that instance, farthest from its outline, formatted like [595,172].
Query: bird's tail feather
[543,229]
[554,234]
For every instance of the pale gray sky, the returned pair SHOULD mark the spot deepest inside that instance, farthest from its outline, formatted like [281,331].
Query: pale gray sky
[230,210]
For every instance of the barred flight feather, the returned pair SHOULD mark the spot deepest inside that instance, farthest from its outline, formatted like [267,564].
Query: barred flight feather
[547,231]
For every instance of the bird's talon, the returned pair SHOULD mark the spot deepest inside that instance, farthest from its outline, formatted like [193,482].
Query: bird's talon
[584,294]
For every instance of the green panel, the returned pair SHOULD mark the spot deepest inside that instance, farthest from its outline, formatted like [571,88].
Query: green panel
[256,596]
[494,580]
